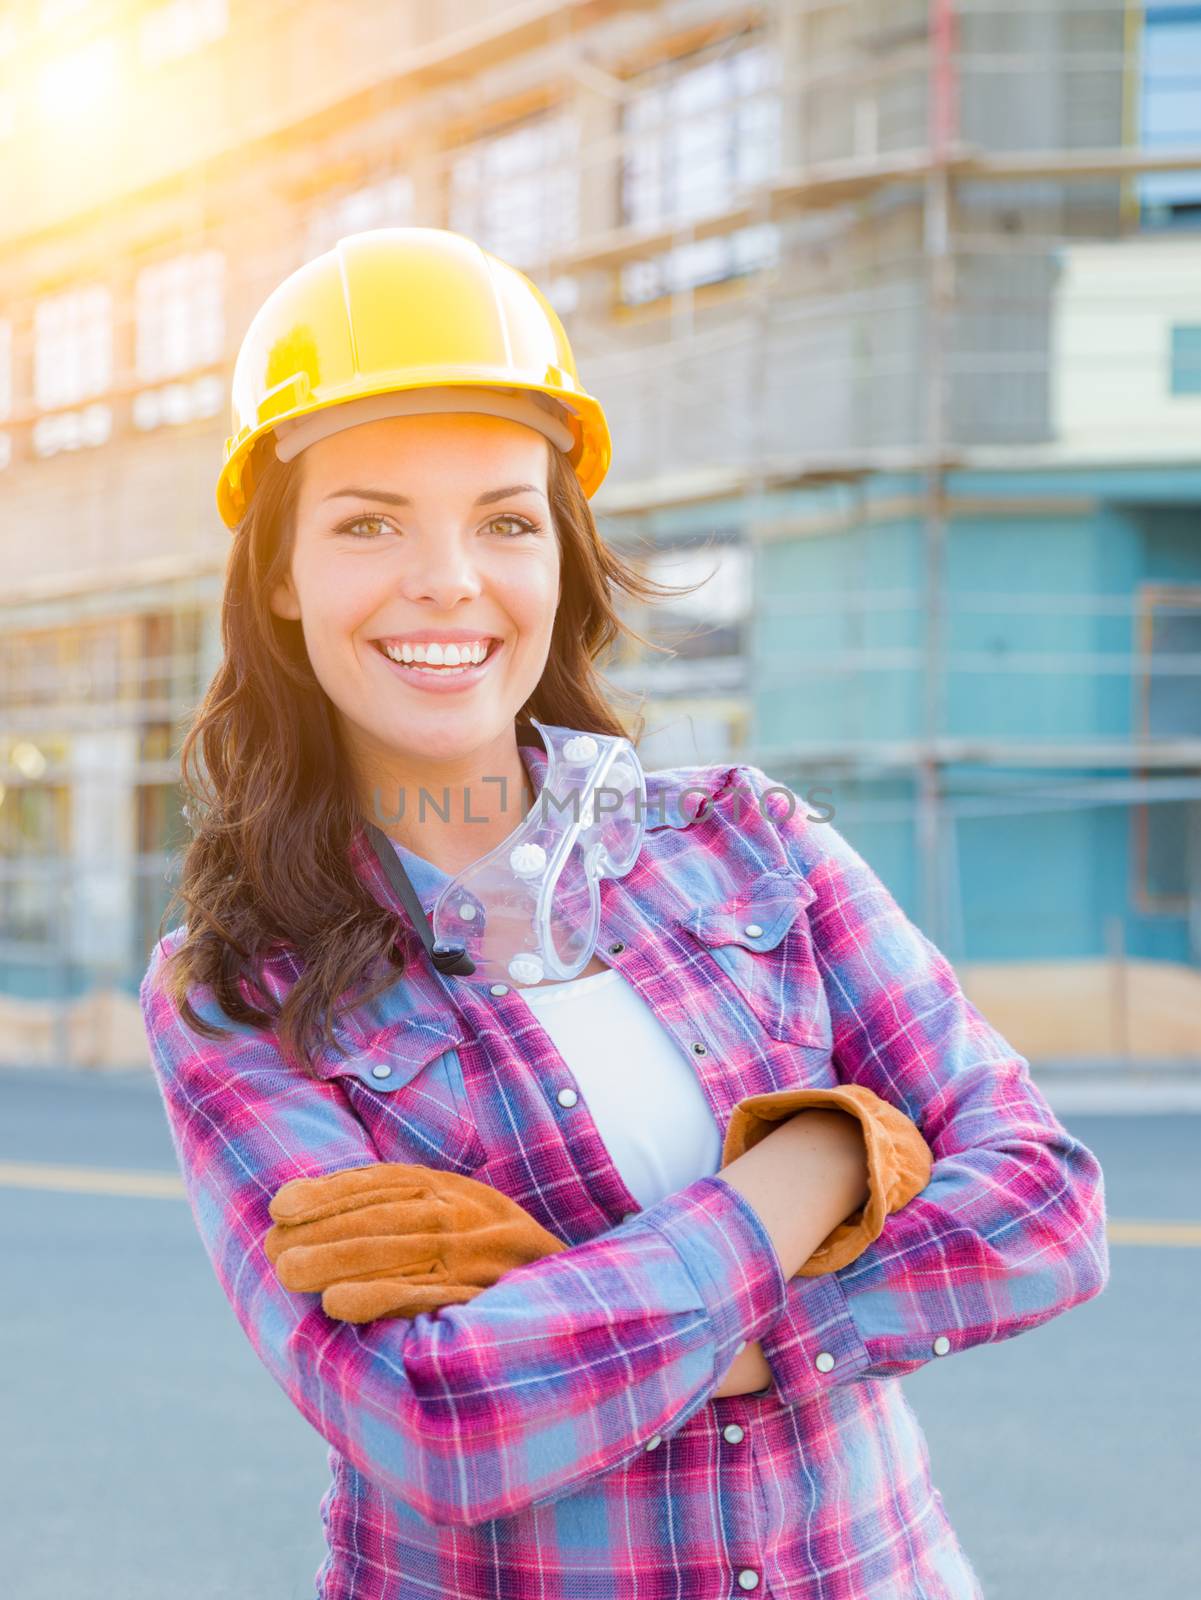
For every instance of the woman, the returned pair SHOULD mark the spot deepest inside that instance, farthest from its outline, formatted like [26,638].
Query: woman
[645,1378]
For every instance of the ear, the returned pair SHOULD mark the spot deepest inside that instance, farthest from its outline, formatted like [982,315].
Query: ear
[284,601]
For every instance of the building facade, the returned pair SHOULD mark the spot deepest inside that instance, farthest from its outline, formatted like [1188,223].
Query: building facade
[893,308]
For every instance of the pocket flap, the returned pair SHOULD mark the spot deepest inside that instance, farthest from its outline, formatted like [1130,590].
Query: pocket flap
[757,917]
[391,1056]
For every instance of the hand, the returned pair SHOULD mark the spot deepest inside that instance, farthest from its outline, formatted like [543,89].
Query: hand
[392,1239]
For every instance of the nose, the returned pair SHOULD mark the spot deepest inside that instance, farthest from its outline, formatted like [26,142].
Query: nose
[438,570]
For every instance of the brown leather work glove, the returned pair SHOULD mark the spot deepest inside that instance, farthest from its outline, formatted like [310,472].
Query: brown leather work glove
[392,1239]
[899,1161]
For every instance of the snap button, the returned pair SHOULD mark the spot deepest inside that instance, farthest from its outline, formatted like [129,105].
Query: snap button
[382,1071]
[616,947]
[499,988]
[941,1345]
[740,1347]
[824,1361]
[699,1049]
[626,1215]
[752,930]
[653,1444]
[748,1578]
[567,1097]
[732,1433]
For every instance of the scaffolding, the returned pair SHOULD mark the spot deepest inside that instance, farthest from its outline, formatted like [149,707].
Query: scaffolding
[895,324]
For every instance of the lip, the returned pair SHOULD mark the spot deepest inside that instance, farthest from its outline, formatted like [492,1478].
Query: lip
[438,682]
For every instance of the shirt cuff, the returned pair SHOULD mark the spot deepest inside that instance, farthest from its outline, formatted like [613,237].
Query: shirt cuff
[730,1255]
[814,1343]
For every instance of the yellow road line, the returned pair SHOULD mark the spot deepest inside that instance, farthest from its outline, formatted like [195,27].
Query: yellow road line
[1177,1233]
[166,1186]
[90,1180]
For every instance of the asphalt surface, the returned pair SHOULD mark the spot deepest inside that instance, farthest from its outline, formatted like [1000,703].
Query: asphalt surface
[149,1456]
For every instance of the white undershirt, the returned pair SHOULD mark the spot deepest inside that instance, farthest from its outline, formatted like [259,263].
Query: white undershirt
[643,1095]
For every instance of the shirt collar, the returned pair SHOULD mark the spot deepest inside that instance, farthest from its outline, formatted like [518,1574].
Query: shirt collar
[673,797]
[430,880]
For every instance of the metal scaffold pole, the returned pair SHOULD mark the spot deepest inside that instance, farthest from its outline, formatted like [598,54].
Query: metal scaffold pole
[939,306]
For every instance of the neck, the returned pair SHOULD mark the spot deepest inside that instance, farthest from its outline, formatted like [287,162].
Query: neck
[450,811]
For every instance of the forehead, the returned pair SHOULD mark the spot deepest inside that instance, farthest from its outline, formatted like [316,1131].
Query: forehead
[420,450]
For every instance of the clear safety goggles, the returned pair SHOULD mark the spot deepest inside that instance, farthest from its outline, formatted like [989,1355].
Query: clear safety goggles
[530,909]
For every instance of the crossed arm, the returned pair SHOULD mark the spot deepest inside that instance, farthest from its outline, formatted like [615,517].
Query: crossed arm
[562,1371]
[389,1239]
[810,1174]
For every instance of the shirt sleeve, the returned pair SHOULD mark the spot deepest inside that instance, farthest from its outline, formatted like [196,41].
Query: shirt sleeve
[1010,1231]
[563,1370]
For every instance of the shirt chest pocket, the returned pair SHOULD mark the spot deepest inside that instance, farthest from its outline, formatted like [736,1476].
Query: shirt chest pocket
[405,1083]
[761,939]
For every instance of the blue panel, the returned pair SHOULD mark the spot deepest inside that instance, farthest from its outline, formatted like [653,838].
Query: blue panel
[1186,357]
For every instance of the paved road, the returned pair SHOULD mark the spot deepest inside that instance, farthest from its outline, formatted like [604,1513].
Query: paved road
[150,1457]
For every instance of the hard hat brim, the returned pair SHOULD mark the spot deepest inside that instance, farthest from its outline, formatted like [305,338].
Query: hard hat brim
[590,459]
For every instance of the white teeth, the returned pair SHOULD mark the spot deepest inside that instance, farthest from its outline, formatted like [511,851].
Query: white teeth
[440,657]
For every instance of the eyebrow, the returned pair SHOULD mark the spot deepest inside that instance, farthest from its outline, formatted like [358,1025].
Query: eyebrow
[388,498]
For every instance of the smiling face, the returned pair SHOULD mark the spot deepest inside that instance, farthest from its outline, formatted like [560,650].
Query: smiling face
[414,534]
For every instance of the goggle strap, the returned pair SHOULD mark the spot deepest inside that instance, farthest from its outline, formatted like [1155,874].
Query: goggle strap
[450,959]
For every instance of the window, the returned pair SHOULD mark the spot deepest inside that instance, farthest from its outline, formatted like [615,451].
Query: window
[693,143]
[1171,649]
[169,668]
[34,833]
[704,630]
[72,430]
[73,350]
[708,131]
[1170,109]
[1186,359]
[180,315]
[387,203]
[34,821]
[701,261]
[516,193]
[1167,833]
[100,664]
[34,669]
[695,697]
[163,837]
[73,360]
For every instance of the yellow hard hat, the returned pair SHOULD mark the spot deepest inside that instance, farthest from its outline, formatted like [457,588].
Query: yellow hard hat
[394,310]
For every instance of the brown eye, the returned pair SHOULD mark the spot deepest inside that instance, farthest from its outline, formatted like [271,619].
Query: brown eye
[523,525]
[359,522]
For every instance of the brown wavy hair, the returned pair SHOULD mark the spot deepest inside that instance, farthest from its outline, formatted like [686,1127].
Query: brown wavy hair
[268,788]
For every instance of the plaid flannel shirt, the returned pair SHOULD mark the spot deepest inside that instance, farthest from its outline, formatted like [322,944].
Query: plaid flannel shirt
[557,1435]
